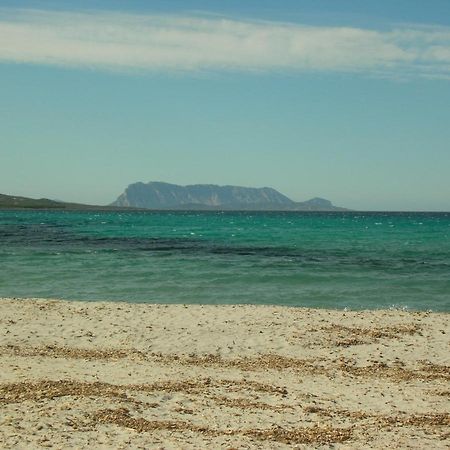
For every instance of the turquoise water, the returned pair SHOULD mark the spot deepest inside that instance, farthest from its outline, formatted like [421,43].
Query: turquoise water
[334,260]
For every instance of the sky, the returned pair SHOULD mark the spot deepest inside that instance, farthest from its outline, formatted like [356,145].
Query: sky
[347,100]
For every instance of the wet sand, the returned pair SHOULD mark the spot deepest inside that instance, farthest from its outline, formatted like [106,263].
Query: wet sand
[120,375]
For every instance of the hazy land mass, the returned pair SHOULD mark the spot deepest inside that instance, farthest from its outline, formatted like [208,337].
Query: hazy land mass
[17,202]
[160,195]
[166,196]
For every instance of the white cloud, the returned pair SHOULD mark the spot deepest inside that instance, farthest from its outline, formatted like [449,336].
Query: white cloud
[117,41]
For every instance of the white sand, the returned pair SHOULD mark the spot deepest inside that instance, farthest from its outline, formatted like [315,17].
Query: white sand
[118,375]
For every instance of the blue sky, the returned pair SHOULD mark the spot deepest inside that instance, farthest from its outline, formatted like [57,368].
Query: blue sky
[347,100]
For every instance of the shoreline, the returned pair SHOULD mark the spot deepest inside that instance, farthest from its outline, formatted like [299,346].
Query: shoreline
[346,309]
[140,375]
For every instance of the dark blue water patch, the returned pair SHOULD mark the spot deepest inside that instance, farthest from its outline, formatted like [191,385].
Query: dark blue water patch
[54,236]
[47,239]
[334,260]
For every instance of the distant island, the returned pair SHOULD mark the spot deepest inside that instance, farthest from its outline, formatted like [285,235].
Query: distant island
[160,195]
[165,196]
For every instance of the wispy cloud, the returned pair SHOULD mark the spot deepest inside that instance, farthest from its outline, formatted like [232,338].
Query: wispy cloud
[117,41]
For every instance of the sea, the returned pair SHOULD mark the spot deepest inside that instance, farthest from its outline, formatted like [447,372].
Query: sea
[338,260]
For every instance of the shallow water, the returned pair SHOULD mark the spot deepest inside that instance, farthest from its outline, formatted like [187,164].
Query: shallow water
[334,260]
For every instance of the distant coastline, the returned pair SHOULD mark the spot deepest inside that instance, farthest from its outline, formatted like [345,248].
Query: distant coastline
[20,203]
[160,196]
[26,203]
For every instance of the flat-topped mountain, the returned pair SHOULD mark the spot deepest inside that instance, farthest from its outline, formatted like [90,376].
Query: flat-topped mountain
[159,195]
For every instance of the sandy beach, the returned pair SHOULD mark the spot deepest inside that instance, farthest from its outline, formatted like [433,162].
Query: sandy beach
[119,375]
